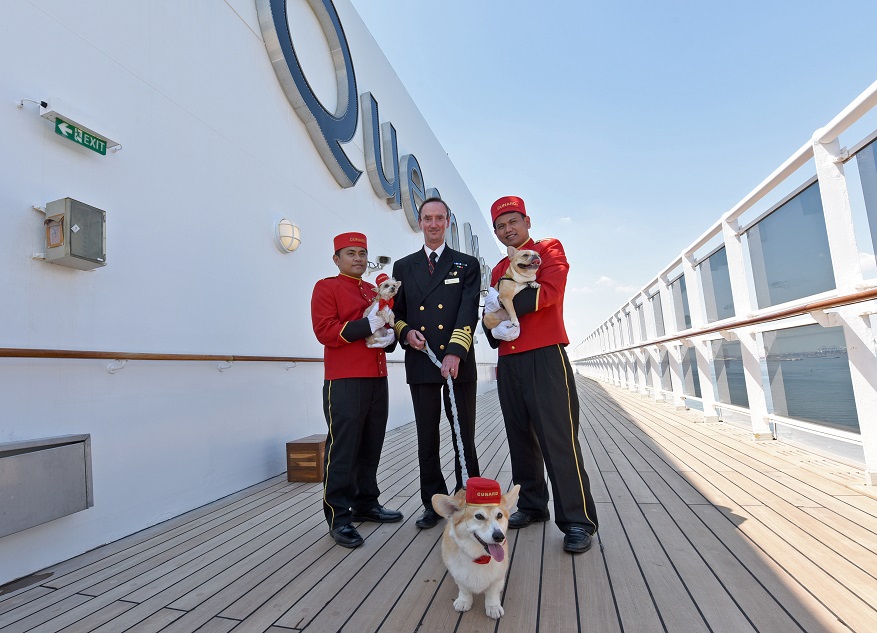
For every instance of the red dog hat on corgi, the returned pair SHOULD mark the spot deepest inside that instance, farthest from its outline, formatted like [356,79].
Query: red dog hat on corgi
[482,492]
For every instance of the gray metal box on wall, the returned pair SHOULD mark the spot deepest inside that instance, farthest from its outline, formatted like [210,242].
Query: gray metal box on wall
[43,480]
[76,234]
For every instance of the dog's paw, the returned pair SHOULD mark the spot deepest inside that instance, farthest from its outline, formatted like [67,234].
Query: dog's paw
[534,284]
[461,605]
[494,611]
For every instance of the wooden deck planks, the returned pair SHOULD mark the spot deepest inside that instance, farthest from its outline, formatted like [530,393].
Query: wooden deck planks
[701,529]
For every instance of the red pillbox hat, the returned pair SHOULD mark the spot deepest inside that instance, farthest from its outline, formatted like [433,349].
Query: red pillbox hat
[350,239]
[482,492]
[507,204]
[381,279]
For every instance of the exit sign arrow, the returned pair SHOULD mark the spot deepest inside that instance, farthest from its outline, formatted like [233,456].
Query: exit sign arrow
[82,137]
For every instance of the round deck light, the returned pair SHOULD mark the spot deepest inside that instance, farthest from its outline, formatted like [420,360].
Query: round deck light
[287,235]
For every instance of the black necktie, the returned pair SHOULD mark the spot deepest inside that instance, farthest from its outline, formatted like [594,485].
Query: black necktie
[433,258]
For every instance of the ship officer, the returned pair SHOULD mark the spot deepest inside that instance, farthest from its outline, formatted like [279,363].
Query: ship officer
[438,305]
[537,389]
[355,395]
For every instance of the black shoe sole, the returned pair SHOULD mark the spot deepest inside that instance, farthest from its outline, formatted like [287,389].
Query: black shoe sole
[578,549]
[349,545]
[359,517]
[535,520]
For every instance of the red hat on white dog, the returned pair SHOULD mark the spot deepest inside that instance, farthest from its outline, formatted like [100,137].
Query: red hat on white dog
[482,492]
[381,279]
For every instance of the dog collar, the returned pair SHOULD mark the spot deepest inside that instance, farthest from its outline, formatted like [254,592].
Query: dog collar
[482,560]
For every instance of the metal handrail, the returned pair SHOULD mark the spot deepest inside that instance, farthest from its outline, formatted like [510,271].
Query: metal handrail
[834,302]
[9,352]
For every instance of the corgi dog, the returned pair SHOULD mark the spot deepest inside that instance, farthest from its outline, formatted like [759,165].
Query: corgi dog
[385,290]
[474,546]
[521,273]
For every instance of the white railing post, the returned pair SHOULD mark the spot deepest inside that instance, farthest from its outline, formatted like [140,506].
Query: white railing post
[858,334]
[673,349]
[751,346]
[653,351]
[702,348]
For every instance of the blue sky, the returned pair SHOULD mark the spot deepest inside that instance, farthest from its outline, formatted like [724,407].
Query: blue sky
[627,128]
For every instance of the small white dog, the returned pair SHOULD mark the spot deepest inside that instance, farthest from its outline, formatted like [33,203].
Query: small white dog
[474,546]
[386,288]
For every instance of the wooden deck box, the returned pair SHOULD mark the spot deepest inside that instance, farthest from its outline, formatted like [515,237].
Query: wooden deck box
[304,458]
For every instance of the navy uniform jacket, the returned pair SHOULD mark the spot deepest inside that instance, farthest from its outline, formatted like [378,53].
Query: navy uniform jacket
[443,307]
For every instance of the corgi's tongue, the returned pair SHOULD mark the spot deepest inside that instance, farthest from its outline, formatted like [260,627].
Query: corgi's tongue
[496,550]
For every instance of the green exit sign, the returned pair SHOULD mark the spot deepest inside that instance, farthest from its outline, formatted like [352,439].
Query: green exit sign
[78,135]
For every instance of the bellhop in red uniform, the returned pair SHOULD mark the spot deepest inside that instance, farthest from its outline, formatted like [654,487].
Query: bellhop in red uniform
[537,389]
[355,396]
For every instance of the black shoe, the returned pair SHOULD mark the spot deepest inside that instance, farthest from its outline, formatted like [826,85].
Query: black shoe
[346,536]
[576,540]
[378,514]
[521,519]
[429,519]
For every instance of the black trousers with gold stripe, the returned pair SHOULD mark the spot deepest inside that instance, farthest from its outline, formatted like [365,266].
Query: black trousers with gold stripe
[540,406]
[356,411]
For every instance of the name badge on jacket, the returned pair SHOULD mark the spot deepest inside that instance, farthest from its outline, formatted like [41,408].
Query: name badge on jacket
[455,280]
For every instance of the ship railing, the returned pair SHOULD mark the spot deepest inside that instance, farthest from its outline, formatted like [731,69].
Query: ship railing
[781,277]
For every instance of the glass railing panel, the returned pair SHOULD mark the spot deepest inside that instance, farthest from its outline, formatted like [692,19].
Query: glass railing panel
[690,377]
[809,375]
[640,317]
[659,314]
[716,281]
[866,160]
[680,302]
[730,378]
[789,252]
[666,380]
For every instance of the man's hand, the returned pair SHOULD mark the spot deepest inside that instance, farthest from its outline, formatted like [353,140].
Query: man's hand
[416,340]
[375,320]
[505,331]
[491,301]
[450,366]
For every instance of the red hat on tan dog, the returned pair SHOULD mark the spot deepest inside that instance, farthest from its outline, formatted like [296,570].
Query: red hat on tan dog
[350,239]
[507,204]
[482,492]
[381,279]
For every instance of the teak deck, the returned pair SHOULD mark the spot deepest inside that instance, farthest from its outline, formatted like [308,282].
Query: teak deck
[701,529]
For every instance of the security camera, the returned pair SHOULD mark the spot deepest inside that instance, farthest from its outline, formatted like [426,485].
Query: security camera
[382,260]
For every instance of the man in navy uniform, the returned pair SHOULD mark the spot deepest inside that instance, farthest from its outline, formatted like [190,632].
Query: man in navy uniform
[355,395]
[438,305]
[537,389]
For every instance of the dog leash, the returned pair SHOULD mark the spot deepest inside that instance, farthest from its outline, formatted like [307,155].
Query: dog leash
[455,421]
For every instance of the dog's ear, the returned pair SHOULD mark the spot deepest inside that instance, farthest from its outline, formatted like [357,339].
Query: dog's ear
[510,498]
[511,250]
[446,506]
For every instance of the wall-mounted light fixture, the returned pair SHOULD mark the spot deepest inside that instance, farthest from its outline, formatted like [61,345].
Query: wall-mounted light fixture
[287,235]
